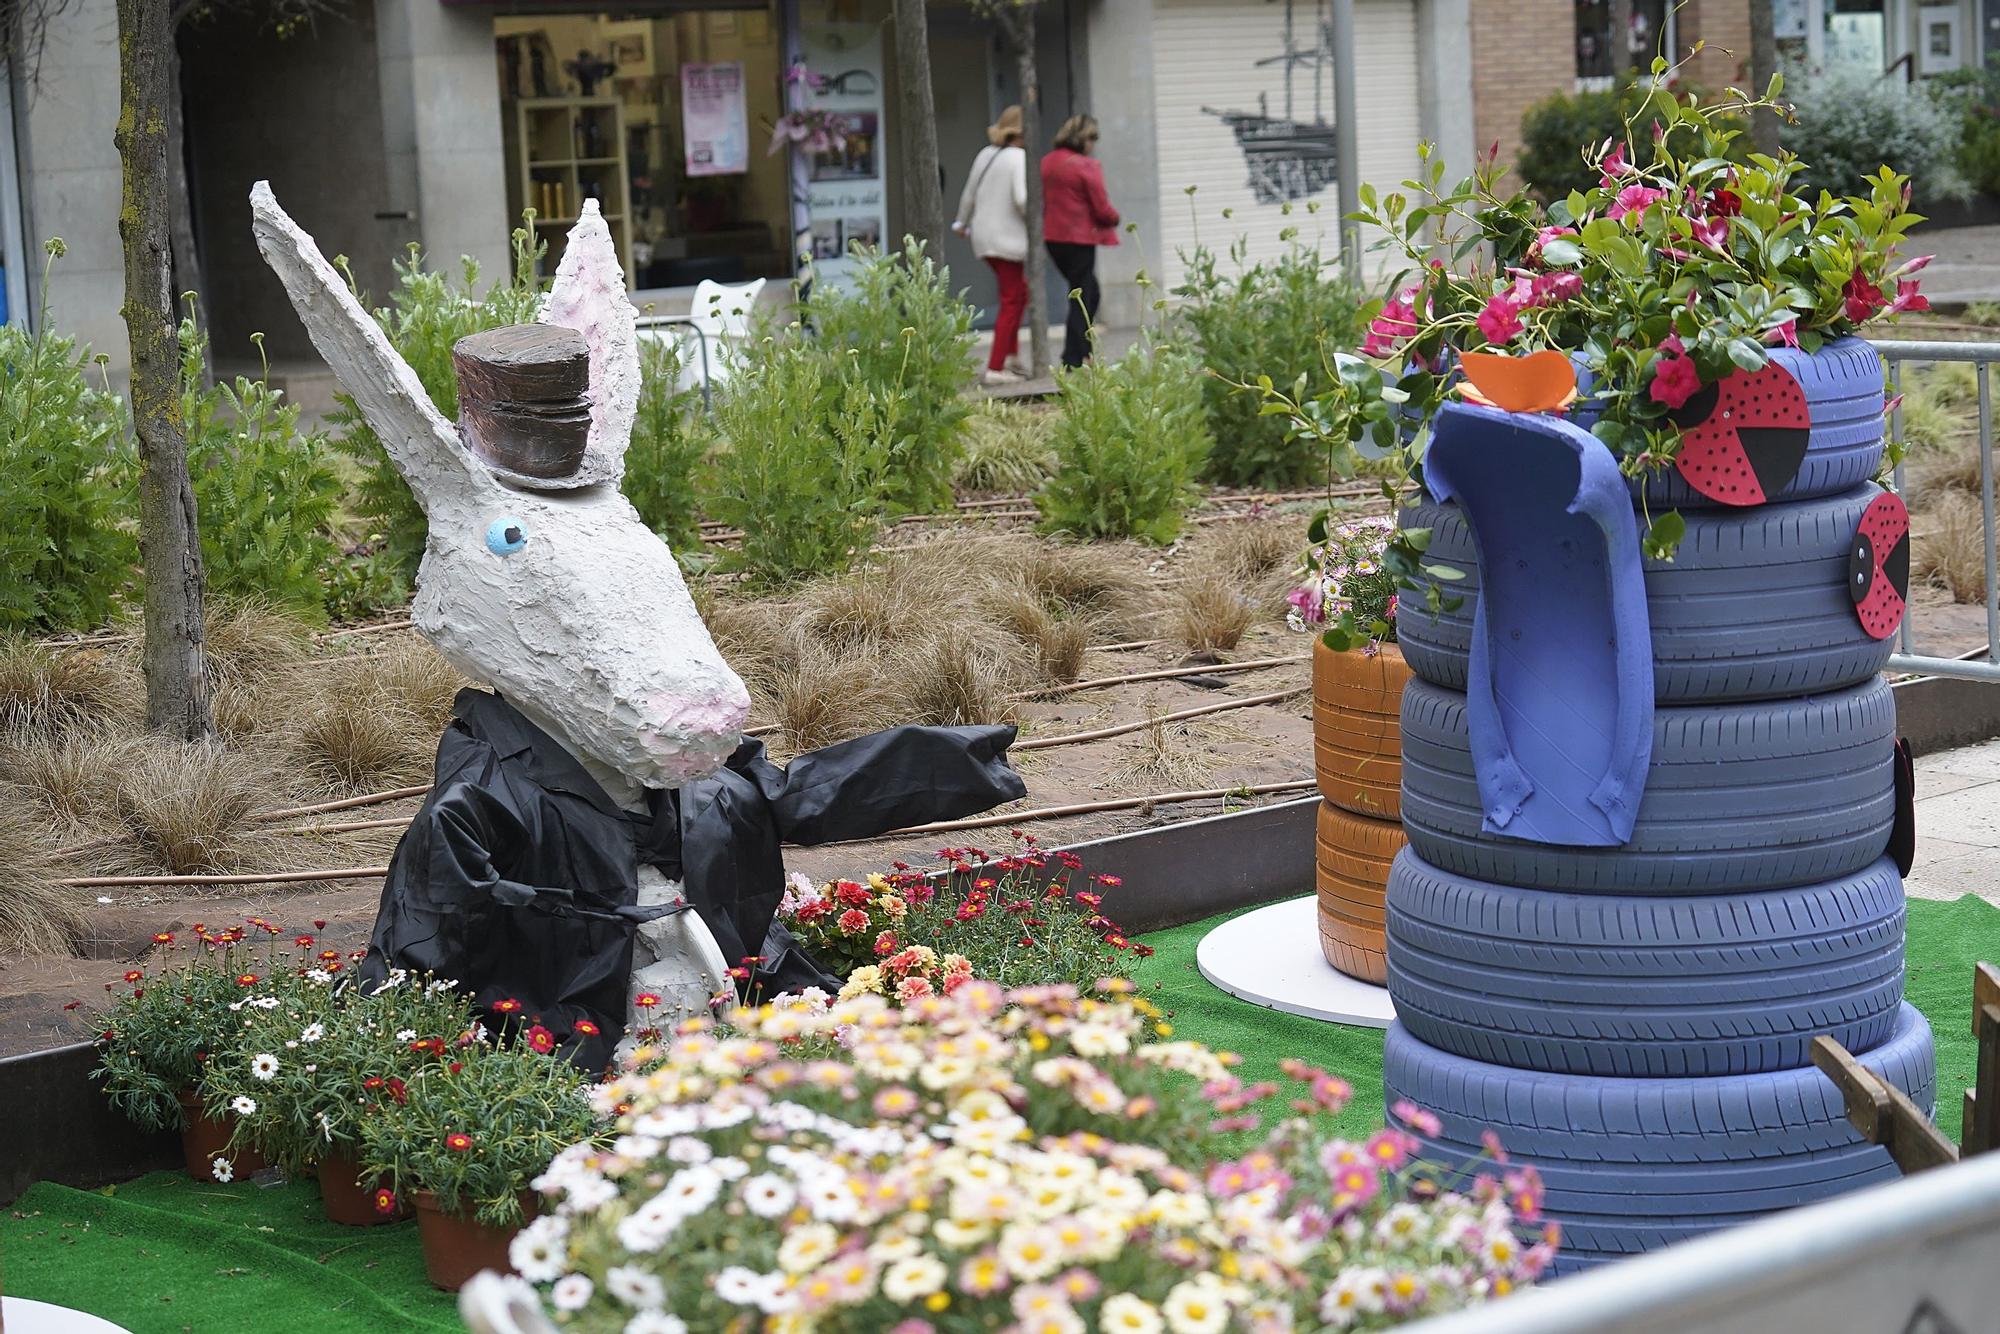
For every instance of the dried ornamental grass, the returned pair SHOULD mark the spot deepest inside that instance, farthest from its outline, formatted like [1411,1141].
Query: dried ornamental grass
[36,917]
[73,776]
[955,680]
[189,808]
[1210,613]
[252,642]
[1951,553]
[43,689]
[821,698]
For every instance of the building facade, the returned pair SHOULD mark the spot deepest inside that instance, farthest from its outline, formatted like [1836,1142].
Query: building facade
[436,123]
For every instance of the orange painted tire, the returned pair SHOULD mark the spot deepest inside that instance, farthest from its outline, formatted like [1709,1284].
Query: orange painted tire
[1354,854]
[1357,729]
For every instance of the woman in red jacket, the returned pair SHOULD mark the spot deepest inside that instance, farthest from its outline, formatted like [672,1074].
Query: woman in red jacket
[1077,217]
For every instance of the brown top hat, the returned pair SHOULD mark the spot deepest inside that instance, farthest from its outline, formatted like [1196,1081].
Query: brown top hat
[524,403]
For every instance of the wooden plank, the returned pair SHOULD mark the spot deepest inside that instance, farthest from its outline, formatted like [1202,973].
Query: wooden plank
[1882,1112]
[1982,1100]
[1985,990]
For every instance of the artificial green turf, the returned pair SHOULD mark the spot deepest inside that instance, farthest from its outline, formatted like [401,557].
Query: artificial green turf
[163,1255]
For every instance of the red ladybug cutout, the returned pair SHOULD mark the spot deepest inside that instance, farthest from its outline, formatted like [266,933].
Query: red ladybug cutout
[1878,565]
[1744,436]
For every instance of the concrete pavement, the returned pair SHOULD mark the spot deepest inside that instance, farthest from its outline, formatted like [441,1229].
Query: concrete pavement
[1958,824]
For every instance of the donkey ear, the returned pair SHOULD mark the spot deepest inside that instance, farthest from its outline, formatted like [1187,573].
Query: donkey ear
[589,296]
[421,441]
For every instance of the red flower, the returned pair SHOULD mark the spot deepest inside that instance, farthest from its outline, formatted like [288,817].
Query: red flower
[71,1005]
[134,975]
[1142,949]
[541,1040]
[1634,199]
[373,1082]
[1674,381]
[853,922]
[1116,941]
[739,973]
[1088,899]
[586,1028]
[1110,881]
[303,942]
[455,1067]
[646,1000]
[319,924]
[458,1141]
[851,894]
[1863,298]
[329,956]
[812,909]
[1908,298]
[247,980]
[334,966]
[886,943]
[1500,321]
[970,909]
[385,1201]
[507,1006]
[398,1090]
[163,937]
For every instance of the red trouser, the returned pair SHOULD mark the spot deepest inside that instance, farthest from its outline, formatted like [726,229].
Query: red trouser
[1013,301]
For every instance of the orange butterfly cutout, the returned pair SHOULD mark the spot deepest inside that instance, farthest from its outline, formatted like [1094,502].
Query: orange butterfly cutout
[1539,382]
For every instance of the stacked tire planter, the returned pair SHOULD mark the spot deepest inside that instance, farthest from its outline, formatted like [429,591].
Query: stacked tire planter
[1357,700]
[1636,1021]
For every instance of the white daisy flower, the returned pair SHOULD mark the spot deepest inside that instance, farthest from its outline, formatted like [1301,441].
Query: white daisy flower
[769,1195]
[312,1032]
[571,1292]
[655,1322]
[243,1105]
[266,1002]
[912,1279]
[406,1035]
[687,1149]
[1195,1308]
[637,1288]
[264,1065]
[538,1252]
[222,1170]
[739,1286]
[1127,1314]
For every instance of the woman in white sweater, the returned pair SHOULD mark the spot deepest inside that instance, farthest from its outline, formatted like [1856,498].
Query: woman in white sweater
[993,213]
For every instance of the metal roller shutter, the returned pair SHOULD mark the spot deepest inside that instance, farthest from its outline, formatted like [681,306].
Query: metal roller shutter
[1206,59]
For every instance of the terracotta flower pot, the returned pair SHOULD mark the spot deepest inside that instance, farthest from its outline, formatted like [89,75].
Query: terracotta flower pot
[456,1246]
[1357,728]
[347,1200]
[204,1140]
[1353,854]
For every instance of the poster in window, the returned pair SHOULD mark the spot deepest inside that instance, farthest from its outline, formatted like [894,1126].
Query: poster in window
[848,188]
[714,119]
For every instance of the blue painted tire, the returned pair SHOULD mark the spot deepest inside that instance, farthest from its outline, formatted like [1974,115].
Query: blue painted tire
[1632,1165]
[1843,387]
[1591,984]
[1739,797]
[1754,605]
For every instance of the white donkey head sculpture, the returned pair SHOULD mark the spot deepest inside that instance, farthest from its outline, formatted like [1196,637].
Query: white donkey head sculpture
[561,599]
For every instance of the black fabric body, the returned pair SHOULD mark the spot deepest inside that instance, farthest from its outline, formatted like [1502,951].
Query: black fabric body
[519,877]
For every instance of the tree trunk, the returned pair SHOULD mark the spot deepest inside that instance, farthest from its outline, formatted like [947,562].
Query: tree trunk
[1018,23]
[180,204]
[923,193]
[1763,64]
[169,542]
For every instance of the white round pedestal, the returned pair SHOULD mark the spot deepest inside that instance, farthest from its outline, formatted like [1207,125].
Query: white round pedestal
[22,1316]
[1271,957]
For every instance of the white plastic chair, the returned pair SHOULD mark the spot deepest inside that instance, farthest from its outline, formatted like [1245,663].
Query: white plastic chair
[710,334]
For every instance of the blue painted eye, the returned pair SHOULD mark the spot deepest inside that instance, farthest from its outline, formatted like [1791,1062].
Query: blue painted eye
[506,536]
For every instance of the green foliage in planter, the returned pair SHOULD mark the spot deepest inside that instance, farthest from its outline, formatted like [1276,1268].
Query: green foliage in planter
[801,465]
[185,1010]
[427,314]
[477,1135]
[671,439]
[1852,124]
[311,1066]
[1129,444]
[1559,130]
[264,489]
[66,472]
[1281,318]
[898,329]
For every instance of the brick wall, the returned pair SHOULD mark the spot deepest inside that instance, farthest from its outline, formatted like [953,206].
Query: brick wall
[1522,51]
[1724,25]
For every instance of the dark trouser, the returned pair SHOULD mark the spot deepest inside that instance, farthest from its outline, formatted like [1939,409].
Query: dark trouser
[1079,270]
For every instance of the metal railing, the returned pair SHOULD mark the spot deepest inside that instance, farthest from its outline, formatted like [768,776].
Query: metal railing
[1979,665]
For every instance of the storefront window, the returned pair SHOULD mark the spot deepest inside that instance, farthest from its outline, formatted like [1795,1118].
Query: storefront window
[665,122]
[1856,34]
[1602,53]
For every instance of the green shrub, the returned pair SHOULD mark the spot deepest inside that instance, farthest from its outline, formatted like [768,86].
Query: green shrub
[1280,318]
[1006,447]
[1556,131]
[1973,96]
[265,490]
[670,444]
[1131,439]
[66,550]
[1852,124]
[801,464]
[426,315]
[899,329]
